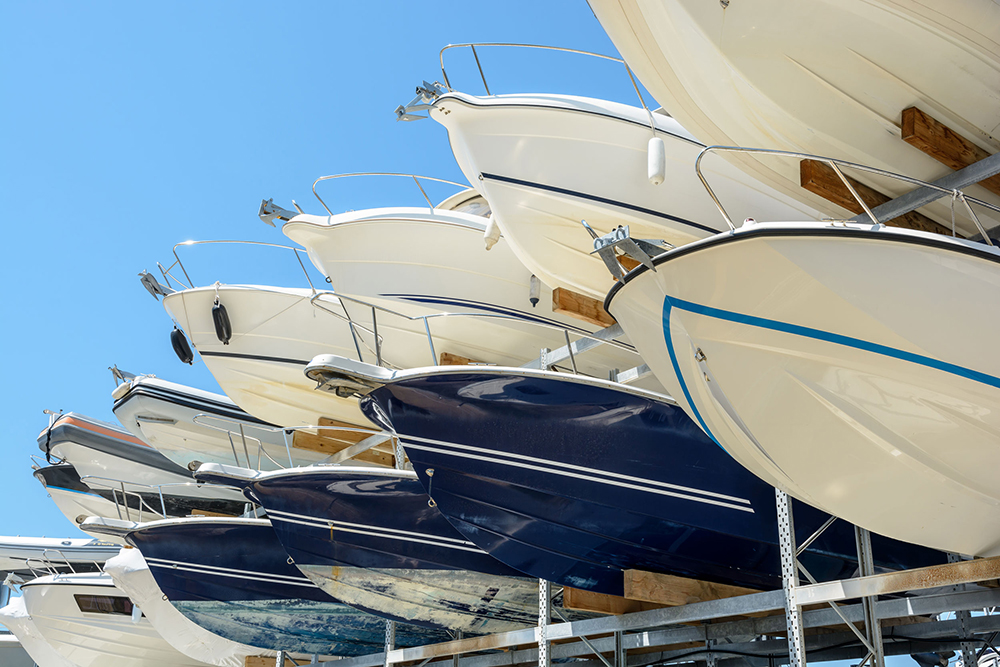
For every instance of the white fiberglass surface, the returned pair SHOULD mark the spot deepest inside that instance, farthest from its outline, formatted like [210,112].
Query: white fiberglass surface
[854,373]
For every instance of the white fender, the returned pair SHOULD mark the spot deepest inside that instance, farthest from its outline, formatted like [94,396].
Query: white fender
[492,233]
[657,161]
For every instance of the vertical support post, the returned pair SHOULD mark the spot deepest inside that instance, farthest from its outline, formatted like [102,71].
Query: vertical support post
[314,659]
[279,661]
[711,659]
[398,454]
[455,659]
[969,656]
[544,611]
[790,580]
[621,655]
[288,448]
[390,640]
[866,567]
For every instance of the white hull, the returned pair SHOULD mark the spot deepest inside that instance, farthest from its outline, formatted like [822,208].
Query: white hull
[828,78]
[89,639]
[77,506]
[549,161]
[131,574]
[276,331]
[190,426]
[417,264]
[16,619]
[855,368]
[105,455]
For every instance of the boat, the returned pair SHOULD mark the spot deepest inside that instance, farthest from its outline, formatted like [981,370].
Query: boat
[849,365]
[190,426]
[130,573]
[233,578]
[15,618]
[827,79]
[417,262]
[575,479]
[372,539]
[21,554]
[547,162]
[91,623]
[114,465]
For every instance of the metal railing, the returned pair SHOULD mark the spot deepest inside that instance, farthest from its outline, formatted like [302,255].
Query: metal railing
[836,165]
[542,47]
[116,485]
[416,179]
[285,431]
[167,275]
[316,300]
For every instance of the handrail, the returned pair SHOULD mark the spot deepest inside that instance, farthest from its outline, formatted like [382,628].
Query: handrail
[836,164]
[416,179]
[426,321]
[120,483]
[542,47]
[284,430]
[190,283]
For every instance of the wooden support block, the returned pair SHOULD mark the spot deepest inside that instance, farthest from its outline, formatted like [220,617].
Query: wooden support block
[581,307]
[820,179]
[258,661]
[581,600]
[671,591]
[199,512]
[330,442]
[944,144]
[449,359]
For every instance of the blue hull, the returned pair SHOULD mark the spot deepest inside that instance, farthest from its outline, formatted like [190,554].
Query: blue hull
[575,482]
[371,539]
[232,578]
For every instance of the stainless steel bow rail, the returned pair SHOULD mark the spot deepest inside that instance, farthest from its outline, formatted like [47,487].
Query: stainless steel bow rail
[126,488]
[428,92]
[416,180]
[836,165]
[374,439]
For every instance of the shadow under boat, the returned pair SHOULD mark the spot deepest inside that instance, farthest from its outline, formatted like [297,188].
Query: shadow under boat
[373,539]
[232,577]
[575,480]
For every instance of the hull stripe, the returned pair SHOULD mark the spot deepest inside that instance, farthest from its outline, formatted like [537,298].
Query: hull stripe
[477,453]
[229,572]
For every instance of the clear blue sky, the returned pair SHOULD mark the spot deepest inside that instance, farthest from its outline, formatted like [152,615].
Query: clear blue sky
[128,127]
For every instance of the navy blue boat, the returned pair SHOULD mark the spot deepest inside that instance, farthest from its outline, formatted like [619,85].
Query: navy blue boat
[231,577]
[574,480]
[370,538]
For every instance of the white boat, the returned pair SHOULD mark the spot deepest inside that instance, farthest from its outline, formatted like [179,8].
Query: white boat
[76,500]
[417,262]
[191,426]
[110,460]
[91,623]
[15,618]
[826,78]
[547,162]
[852,366]
[18,554]
[130,573]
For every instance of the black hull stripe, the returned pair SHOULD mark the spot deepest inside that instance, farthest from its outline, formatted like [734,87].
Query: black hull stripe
[185,400]
[254,357]
[602,200]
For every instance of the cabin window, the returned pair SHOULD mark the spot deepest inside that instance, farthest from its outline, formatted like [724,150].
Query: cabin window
[104,604]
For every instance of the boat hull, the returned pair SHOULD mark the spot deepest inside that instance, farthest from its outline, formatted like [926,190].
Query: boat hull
[811,354]
[131,574]
[96,638]
[15,618]
[233,578]
[576,480]
[829,78]
[190,427]
[546,162]
[372,540]
[372,257]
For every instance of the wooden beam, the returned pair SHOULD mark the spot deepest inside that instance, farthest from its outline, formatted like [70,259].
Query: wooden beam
[944,144]
[671,591]
[258,661]
[200,512]
[820,178]
[581,307]
[330,442]
[581,600]
[449,359]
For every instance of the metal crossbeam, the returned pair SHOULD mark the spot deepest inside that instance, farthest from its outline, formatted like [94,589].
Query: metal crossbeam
[922,196]
[578,347]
